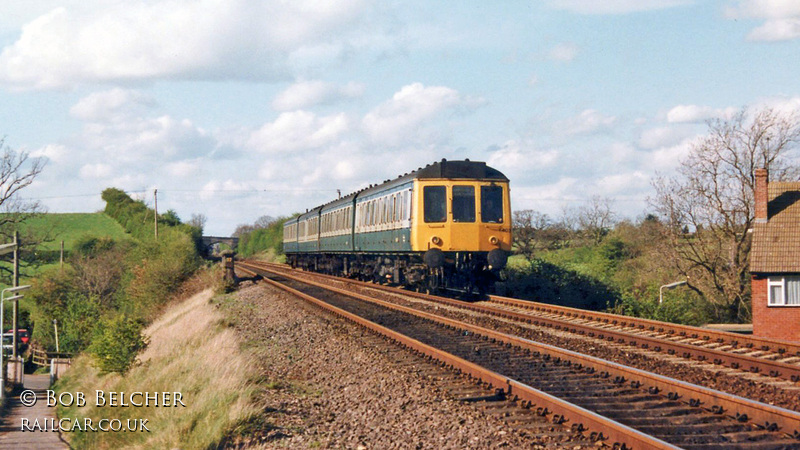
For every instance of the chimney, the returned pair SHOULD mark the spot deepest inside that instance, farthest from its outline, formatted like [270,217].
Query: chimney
[761,196]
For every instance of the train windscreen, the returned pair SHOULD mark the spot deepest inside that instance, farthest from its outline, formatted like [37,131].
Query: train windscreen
[463,204]
[435,204]
[492,204]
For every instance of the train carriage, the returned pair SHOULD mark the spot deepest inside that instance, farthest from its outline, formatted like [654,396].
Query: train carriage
[446,225]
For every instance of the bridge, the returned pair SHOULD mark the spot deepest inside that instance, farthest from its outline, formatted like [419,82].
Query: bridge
[210,241]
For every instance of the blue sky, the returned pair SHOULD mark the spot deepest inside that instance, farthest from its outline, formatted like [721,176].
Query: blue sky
[241,108]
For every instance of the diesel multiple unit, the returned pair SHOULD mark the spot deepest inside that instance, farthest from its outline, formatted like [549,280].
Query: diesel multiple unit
[447,225]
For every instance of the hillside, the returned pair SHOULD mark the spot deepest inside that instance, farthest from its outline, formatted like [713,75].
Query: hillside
[70,227]
[51,229]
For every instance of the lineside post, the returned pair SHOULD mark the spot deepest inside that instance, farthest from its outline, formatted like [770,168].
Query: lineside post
[227,262]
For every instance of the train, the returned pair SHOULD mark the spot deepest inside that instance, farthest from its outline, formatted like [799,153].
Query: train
[445,226]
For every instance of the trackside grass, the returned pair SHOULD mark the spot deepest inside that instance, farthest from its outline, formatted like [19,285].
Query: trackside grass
[191,350]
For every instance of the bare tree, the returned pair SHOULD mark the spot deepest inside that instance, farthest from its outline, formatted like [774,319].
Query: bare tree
[198,220]
[264,222]
[17,171]
[596,218]
[242,229]
[527,226]
[707,208]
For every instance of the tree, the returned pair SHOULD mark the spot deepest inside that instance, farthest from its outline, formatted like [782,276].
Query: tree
[596,218]
[527,226]
[170,218]
[17,171]
[242,229]
[264,222]
[707,208]
[199,221]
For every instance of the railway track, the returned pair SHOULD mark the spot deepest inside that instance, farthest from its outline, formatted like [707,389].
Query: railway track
[620,405]
[775,359]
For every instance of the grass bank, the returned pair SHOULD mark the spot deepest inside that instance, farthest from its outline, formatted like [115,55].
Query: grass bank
[192,350]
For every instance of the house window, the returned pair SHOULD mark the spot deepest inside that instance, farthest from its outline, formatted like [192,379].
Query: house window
[783,291]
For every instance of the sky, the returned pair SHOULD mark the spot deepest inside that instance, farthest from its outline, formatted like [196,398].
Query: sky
[236,109]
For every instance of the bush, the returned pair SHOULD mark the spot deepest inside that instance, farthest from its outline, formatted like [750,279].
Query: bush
[263,239]
[157,269]
[78,324]
[125,283]
[116,343]
[546,282]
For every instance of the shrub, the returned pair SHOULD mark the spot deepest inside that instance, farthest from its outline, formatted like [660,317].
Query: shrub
[546,282]
[116,343]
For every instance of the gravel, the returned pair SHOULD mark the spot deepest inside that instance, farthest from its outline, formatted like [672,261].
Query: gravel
[781,393]
[330,384]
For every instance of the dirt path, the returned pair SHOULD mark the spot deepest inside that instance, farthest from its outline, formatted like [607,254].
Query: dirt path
[11,434]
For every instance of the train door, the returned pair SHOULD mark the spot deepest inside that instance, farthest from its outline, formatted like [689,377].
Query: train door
[464,228]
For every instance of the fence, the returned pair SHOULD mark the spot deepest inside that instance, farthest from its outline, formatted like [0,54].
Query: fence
[43,358]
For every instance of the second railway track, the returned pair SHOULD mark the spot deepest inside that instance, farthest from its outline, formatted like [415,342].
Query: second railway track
[649,411]
[775,359]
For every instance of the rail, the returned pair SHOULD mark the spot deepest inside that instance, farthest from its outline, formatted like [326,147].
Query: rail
[742,410]
[692,343]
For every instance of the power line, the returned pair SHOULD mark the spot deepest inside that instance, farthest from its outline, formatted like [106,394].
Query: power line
[143,191]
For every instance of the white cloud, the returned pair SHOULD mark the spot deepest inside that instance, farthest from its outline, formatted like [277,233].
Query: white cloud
[663,136]
[402,117]
[587,122]
[666,159]
[98,170]
[614,6]
[310,93]
[182,169]
[621,183]
[214,187]
[766,9]
[298,130]
[53,152]
[776,30]
[564,52]
[518,159]
[111,104]
[184,39]
[782,18]
[696,113]
[783,105]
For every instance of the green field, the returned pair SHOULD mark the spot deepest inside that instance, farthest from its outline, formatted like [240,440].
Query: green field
[69,227]
[72,226]
[57,227]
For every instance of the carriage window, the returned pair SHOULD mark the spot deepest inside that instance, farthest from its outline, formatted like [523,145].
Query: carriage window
[492,204]
[435,204]
[463,204]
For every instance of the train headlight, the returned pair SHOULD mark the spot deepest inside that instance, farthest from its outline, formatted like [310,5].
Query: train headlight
[436,240]
[493,240]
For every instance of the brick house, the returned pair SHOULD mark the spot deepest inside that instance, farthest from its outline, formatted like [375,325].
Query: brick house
[775,259]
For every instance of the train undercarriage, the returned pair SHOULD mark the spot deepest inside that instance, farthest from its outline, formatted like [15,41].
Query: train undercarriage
[468,273]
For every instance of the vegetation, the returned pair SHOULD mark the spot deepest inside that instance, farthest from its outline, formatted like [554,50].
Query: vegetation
[264,237]
[622,272]
[699,233]
[191,350]
[112,287]
[708,209]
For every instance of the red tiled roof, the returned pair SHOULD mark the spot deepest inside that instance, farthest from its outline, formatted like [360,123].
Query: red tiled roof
[776,243]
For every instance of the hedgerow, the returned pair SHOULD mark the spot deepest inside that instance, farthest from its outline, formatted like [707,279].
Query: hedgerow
[111,289]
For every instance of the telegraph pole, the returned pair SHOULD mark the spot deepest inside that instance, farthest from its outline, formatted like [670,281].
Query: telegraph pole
[155,194]
[15,282]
